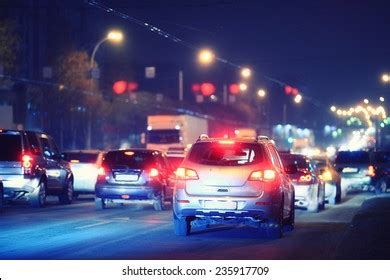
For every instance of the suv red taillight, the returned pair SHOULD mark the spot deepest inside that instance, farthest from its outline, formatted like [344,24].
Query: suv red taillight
[306,179]
[371,171]
[267,175]
[186,174]
[153,173]
[27,164]
[102,172]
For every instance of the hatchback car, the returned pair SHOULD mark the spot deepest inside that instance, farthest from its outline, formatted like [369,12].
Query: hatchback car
[233,181]
[309,189]
[31,168]
[135,175]
[85,165]
[355,170]
[331,177]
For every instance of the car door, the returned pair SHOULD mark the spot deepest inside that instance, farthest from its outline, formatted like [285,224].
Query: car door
[285,181]
[62,166]
[164,170]
[53,171]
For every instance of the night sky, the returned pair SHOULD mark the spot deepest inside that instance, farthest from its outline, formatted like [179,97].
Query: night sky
[334,51]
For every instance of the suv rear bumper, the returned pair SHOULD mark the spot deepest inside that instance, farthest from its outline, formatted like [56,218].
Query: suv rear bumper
[355,182]
[126,192]
[17,187]
[258,208]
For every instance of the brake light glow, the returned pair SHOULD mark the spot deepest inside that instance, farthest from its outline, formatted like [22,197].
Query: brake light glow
[153,172]
[101,171]
[26,164]
[326,176]
[305,178]
[226,142]
[267,175]
[371,171]
[75,161]
[186,174]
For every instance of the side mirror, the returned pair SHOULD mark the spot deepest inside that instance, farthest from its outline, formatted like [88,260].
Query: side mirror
[291,169]
[63,156]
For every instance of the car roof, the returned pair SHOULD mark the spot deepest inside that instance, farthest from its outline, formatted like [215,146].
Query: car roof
[238,140]
[84,151]
[135,150]
[286,155]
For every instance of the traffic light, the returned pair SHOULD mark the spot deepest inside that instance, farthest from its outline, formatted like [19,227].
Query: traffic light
[119,87]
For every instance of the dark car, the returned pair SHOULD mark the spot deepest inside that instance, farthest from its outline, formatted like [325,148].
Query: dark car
[31,168]
[355,170]
[380,161]
[309,189]
[138,175]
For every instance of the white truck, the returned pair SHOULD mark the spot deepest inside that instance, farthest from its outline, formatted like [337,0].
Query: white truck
[165,132]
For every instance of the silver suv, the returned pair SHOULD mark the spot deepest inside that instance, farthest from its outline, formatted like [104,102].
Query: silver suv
[233,181]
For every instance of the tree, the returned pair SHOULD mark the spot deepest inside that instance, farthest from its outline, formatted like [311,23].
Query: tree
[9,45]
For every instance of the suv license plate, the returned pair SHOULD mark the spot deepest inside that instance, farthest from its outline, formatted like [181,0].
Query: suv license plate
[350,170]
[126,177]
[223,205]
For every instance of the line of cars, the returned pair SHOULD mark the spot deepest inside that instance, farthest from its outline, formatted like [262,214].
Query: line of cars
[219,180]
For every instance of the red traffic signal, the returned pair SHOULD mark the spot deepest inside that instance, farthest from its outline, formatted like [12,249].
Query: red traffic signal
[132,86]
[207,89]
[119,87]
[291,90]
[234,89]
[195,88]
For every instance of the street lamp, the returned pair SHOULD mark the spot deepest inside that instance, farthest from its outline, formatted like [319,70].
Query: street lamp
[243,86]
[298,99]
[113,36]
[261,93]
[385,78]
[206,57]
[333,108]
[381,99]
[246,73]
[366,101]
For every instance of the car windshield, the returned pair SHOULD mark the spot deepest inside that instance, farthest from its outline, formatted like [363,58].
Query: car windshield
[81,157]
[10,147]
[358,157]
[131,159]
[235,154]
[319,163]
[300,161]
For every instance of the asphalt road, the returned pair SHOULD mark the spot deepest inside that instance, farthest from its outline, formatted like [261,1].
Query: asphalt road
[78,231]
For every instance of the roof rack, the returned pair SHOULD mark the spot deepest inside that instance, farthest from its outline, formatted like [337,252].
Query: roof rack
[203,137]
[262,137]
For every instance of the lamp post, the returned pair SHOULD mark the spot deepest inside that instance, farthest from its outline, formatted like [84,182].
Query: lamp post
[112,36]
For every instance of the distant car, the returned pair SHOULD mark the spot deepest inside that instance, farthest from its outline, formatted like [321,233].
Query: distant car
[233,181]
[331,177]
[85,165]
[309,189]
[138,175]
[355,170]
[31,168]
[381,171]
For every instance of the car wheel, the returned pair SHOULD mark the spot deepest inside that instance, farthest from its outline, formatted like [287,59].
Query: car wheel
[336,199]
[100,203]
[181,226]
[67,196]
[381,186]
[75,195]
[314,204]
[322,195]
[273,229]
[159,202]
[38,198]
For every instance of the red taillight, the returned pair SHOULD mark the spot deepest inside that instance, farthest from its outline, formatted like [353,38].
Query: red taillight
[153,172]
[305,179]
[26,164]
[186,174]
[101,171]
[266,175]
[371,171]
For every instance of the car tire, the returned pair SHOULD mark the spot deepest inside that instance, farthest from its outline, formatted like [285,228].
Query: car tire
[336,199]
[381,186]
[100,203]
[314,205]
[322,195]
[75,195]
[273,229]
[38,199]
[159,202]
[181,226]
[67,195]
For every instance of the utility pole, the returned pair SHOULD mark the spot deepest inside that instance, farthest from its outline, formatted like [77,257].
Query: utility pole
[181,94]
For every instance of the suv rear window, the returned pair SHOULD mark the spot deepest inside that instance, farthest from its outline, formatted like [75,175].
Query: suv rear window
[236,154]
[10,146]
[81,157]
[352,157]
[131,159]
